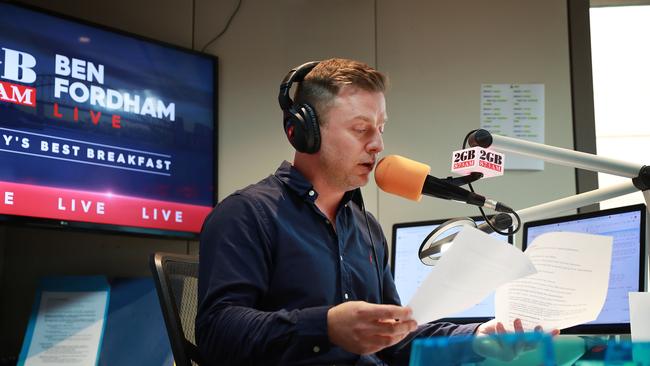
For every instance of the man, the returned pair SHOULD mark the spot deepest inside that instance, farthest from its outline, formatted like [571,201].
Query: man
[292,268]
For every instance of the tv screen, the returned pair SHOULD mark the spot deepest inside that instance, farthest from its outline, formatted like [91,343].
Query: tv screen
[103,129]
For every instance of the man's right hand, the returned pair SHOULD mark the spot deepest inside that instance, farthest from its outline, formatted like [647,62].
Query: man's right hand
[363,328]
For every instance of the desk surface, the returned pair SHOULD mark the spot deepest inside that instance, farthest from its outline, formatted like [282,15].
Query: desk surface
[530,349]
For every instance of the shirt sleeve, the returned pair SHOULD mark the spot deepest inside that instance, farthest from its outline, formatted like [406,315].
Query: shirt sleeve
[234,271]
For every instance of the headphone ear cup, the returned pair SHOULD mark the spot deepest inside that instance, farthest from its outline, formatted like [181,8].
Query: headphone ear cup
[294,128]
[305,132]
[312,128]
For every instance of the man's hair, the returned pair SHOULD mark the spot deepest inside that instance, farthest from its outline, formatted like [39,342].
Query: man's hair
[323,83]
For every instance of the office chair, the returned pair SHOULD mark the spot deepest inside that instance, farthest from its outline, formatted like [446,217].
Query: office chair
[176,278]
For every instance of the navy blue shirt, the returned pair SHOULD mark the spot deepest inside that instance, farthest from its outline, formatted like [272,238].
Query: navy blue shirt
[271,266]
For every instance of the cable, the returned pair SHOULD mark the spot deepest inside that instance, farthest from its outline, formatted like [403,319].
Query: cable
[372,244]
[193,21]
[510,211]
[232,16]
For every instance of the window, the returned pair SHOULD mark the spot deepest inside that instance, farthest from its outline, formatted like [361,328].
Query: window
[621,84]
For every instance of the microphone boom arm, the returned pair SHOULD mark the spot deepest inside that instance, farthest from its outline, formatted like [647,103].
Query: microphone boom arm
[639,174]
[560,156]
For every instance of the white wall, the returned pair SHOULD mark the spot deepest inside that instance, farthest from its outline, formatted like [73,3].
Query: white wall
[437,53]
[265,40]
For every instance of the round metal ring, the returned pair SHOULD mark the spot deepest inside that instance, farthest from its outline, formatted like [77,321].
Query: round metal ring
[440,238]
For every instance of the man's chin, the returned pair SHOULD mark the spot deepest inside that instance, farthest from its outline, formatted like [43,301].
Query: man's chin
[360,182]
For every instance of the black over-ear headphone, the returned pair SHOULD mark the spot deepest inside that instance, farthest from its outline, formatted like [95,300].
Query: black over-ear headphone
[300,120]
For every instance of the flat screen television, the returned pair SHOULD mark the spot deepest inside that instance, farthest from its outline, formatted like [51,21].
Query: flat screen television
[626,225]
[409,272]
[102,129]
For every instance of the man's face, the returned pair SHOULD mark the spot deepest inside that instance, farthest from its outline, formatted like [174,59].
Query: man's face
[352,137]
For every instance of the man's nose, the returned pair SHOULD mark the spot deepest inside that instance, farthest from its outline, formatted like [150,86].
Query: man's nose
[376,145]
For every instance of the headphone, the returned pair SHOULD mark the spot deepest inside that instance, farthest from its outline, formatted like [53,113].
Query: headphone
[300,120]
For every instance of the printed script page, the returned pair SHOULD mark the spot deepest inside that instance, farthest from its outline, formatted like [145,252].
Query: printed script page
[569,287]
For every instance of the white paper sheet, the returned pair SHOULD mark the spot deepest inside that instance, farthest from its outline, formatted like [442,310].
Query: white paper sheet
[640,316]
[569,287]
[68,328]
[515,110]
[470,270]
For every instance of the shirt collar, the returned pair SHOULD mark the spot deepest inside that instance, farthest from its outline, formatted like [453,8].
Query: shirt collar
[297,182]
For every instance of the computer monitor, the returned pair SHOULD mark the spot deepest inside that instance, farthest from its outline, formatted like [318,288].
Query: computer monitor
[409,272]
[627,273]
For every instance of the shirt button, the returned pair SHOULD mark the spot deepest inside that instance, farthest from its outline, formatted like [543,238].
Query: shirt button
[341,258]
[316,349]
[311,193]
[345,295]
[327,222]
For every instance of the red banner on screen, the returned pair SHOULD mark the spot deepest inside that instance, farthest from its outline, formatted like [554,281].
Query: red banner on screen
[103,208]
[17,94]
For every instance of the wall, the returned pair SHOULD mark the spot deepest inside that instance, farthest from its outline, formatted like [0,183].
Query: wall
[437,54]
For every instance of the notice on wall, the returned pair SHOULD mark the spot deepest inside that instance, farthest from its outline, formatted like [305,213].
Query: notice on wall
[67,322]
[515,110]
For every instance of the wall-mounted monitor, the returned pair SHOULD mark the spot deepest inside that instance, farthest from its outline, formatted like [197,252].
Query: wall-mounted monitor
[626,225]
[101,129]
[409,272]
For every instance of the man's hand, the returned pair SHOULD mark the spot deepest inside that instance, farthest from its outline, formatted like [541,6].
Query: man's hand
[495,348]
[495,327]
[363,328]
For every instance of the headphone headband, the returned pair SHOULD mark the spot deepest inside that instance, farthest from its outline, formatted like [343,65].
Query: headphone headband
[296,74]
[300,120]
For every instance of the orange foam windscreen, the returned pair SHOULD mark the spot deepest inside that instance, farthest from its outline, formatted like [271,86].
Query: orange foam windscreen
[401,176]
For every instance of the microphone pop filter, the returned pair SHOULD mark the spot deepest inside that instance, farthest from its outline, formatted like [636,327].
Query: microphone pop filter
[401,176]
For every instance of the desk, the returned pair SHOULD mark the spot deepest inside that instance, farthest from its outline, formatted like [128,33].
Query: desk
[564,350]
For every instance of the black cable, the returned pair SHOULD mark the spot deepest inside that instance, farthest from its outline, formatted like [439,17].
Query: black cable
[232,16]
[193,20]
[510,211]
[372,244]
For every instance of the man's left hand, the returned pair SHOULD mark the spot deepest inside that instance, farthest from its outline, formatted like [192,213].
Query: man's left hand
[499,350]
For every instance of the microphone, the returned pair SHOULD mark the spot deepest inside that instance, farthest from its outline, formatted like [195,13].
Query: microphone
[410,179]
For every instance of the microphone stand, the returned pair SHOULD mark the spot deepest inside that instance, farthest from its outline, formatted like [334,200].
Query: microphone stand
[639,174]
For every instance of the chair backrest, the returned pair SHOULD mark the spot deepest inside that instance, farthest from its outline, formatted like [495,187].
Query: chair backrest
[176,277]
